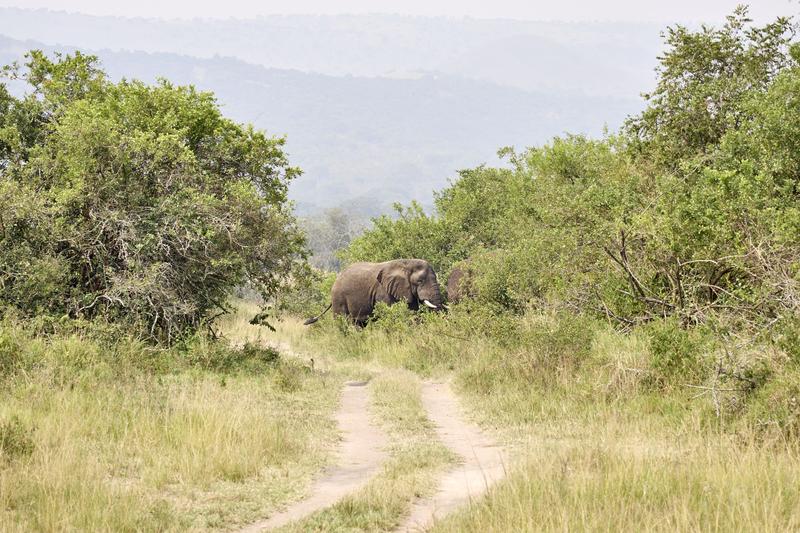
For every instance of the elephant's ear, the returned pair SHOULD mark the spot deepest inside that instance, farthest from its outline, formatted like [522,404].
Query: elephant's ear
[396,283]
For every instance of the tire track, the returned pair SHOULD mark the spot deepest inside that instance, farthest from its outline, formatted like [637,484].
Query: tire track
[360,456]
[483,460]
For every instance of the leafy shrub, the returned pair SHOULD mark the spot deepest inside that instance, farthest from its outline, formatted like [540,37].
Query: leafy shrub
[10,350]
[690,211]
[411,234]
[788,338]
[310,293]
[776,406]
[138,204]
[676,352]
[474,318]
[396,319]
[219,356]
[288,377]
[560,342]
[16,439]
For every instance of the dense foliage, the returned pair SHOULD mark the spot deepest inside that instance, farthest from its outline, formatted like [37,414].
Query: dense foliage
[692,211]
[134,202]
[660,263]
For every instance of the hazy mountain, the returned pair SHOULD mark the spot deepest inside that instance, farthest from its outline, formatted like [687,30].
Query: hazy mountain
[366,141]
[377,139]
[614,59]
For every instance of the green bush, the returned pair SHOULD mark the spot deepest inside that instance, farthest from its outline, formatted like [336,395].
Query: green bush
[690,211]
[10,350]
[219,356]
[309,295]
[287,377]
[394,319]
[775,408]
[677,352]
[16,439]
[560,343]
[788,338]
[133,203]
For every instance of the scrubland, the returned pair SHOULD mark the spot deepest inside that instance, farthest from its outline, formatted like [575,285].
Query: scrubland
[117,436]
[629,321]
[600,442]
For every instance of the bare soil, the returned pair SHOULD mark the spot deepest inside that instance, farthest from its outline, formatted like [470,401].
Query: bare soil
[359,457]
[483,460]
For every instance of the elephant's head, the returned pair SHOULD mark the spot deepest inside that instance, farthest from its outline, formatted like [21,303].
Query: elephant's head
[412,280]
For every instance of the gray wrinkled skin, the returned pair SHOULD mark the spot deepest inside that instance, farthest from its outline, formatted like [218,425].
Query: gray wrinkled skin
[362,285]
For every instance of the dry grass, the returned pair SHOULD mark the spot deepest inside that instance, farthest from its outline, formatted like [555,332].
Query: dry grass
[166,451]
[602,448]
[300,342]
[595,484]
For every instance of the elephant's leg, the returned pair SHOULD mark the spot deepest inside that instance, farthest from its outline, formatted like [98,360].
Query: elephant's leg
[359,310]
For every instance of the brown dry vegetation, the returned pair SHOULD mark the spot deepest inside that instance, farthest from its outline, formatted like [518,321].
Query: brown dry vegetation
[90,440]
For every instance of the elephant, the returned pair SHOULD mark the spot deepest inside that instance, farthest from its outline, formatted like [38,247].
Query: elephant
[456,284]
[361,286]
[459,282]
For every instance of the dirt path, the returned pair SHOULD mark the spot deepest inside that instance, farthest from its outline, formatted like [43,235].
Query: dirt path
[484,462]
[360,456]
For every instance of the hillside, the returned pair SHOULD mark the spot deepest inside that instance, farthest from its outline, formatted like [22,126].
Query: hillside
[610,59]
[367,141]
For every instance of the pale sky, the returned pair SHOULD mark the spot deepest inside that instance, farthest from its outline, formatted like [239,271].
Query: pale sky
[711,11]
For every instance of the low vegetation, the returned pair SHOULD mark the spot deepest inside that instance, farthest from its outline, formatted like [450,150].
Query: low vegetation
[603,439]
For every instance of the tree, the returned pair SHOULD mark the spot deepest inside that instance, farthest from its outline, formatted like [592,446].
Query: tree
[328,234]
[704,79]
[135,203]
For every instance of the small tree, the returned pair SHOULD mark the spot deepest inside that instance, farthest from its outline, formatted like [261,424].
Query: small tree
[704,79]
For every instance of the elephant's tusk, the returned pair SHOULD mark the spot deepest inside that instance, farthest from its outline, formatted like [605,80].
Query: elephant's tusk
[426,302]
[446,306]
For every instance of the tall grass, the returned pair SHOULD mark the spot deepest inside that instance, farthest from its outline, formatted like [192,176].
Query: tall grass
[597,484]
[612,435]
[119,436]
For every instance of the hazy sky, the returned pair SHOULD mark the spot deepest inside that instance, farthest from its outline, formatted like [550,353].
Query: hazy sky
[711,11]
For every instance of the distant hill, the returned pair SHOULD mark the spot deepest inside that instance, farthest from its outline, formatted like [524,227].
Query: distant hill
[612,59]
[363,142]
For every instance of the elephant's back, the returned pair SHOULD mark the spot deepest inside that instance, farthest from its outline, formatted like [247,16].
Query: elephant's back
[357,269]
[354,275]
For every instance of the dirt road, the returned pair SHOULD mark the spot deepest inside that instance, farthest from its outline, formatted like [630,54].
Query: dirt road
[361,454]
[483,461]
[359,457]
